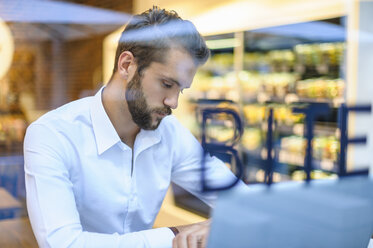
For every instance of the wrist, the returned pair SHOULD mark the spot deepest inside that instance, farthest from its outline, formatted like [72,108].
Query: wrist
[174,230]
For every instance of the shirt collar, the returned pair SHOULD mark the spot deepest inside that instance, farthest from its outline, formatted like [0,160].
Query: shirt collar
[103,129]
[105,134]
[146,139]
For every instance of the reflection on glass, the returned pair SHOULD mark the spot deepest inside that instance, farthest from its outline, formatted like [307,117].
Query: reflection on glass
[50,53]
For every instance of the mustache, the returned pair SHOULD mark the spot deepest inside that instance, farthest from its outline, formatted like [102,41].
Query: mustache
[162,111]
[132,95]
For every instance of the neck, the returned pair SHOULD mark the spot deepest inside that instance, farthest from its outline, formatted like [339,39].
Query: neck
[115,105]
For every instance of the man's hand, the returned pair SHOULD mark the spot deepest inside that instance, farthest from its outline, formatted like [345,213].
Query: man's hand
[192,236]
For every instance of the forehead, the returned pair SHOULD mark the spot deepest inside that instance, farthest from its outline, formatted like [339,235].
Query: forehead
[178,65]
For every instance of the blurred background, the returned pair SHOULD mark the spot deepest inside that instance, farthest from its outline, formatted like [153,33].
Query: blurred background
[265,54]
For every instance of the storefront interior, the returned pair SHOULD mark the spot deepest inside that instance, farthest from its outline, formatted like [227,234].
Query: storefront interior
[266,55]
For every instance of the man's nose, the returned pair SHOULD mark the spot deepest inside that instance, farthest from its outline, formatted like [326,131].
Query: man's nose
[172,100]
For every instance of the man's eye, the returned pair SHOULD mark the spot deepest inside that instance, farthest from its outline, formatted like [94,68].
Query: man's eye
[167,85]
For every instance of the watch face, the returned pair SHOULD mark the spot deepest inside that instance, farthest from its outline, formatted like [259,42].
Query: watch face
[6,48]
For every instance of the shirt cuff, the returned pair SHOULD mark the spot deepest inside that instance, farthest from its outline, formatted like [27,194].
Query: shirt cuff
[159,237]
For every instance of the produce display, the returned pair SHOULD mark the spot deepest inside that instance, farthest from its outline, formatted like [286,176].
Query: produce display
[214,87]
[300,175]
[331,54]
[252,138]
[320,88]
[257,113]
[221,61]
[324,147]
[308,70]
[273,61]
[273,84]
[220,133]
[277,79]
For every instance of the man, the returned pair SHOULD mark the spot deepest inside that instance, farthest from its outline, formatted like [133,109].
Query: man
[97,169]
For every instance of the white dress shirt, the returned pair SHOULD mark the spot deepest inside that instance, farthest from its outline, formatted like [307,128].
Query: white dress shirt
[86,188]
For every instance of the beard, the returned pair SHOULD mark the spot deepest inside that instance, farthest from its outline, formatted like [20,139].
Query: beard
[140,111]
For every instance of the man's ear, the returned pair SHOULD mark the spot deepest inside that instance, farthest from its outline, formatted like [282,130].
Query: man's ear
[127,65]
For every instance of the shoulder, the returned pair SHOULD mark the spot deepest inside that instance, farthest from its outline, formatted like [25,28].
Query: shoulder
[171,124]
[74,112]
[172,130]
[66,121]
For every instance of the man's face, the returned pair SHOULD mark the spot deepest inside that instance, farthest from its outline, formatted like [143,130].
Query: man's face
[142,114]
[151,96]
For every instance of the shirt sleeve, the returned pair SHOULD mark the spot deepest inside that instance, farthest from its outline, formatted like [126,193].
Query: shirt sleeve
[186,171]
[51,204]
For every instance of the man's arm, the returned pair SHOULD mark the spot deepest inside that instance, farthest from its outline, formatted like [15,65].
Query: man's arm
[186,171]
[187,174]
[51,202]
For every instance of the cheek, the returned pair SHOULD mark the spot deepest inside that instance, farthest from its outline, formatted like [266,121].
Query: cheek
[154,95]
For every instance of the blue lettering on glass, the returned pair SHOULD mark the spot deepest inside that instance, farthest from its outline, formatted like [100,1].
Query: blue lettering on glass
[311,111]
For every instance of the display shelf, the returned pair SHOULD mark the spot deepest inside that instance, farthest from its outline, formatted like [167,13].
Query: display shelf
[326,165]
[332,102]
[270,99]
[255,78]
[289,98]
[298,129]
[286,163]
